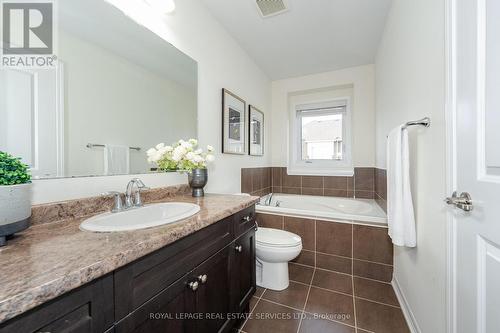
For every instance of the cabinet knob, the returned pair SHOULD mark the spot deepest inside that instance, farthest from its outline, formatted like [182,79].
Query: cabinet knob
[247,218]
[203,278]
[193,285]
[238,248]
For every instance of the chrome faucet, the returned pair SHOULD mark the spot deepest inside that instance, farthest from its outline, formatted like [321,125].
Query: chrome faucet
[269,199]
[132,198]
[118,205]
[135,201]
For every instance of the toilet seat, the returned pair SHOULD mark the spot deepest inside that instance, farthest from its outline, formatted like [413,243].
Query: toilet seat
[276,238]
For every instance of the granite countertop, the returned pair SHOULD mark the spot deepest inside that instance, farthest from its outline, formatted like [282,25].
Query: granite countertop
[50,259]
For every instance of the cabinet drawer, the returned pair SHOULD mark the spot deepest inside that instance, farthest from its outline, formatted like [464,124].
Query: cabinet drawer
[88,309]
[243,221]
[141,280]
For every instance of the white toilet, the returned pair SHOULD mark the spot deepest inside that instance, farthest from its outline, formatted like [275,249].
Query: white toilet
[274,249]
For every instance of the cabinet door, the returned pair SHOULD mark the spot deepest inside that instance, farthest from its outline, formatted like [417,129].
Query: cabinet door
[170,312]
[141,280]
[88,309]
[243,270]
[212,296]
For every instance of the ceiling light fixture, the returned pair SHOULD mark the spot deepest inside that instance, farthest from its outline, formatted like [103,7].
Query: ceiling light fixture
[164,6]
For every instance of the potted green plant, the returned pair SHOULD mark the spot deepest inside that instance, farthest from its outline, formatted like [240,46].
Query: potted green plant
[184,156]
[15,196]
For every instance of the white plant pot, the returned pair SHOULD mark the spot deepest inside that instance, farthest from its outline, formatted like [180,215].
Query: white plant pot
[15,209]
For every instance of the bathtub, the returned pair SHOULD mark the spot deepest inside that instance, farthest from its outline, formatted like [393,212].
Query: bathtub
[349,210]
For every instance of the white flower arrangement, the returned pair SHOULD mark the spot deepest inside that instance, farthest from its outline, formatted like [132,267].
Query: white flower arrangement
[182,155]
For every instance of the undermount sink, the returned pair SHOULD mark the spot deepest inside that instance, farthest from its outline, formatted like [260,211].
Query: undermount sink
[140,218]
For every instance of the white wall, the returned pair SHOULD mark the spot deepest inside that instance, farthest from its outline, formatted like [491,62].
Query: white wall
[221,63]
[410,84]
[361,79]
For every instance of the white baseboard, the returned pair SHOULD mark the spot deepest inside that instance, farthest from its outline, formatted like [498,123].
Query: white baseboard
[405,307]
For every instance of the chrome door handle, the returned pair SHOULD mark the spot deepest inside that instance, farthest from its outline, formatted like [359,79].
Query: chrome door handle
[463,202]
[238,248]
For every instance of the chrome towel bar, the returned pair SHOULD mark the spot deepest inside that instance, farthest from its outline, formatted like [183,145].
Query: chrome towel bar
[422,122]
[93,145]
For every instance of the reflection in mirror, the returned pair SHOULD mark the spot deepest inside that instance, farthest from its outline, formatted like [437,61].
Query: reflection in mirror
[118,90]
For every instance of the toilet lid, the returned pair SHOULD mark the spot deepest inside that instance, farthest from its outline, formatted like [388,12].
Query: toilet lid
[275,237]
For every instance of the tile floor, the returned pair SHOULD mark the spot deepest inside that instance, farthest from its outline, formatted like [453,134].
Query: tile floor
[321,301]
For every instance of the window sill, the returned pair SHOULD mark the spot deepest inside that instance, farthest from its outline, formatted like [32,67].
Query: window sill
[339,172]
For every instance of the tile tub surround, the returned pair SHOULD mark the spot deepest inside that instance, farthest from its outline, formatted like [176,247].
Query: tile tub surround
[256,181]
[358,250]
[381,188]
[50,259]
[319,301]
[361,185]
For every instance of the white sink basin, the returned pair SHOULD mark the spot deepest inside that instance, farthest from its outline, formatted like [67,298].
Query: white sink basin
[141,218]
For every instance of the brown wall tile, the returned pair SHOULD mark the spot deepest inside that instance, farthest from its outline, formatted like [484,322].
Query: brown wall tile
[334,238]
[291,181]
[364,179]
[335,193]
[246,180]
[256,179]
[312,182]
[312,191]
[291,190]
[337,183]
[364,194]
[266,177]
[381,183]
[350,183]
[305,228]
[372,244]
[276,176]
[277,189]
[261,193]
[362,185]
[372,270]
[334,263]
[270,221]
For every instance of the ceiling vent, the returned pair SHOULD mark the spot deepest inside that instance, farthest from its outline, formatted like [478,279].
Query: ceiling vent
[269,8]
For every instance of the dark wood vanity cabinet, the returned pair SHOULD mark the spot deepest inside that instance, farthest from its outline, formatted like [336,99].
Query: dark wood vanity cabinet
[86,309]
[200,283]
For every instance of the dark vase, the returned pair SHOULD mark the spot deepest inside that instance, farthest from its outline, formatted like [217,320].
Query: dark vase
[197,179]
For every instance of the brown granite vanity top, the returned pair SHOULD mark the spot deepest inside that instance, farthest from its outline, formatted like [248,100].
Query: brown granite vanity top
[50,259]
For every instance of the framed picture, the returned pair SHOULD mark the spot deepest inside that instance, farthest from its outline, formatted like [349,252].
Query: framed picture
[256,131]
[234,122]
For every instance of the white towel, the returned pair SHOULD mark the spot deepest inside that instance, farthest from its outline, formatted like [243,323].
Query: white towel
[400,214]
[116,160]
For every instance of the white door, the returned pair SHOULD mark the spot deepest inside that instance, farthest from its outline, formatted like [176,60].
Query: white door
[32,123]
[475,299]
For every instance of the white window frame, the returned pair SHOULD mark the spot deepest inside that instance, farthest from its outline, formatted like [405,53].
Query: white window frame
[296,166]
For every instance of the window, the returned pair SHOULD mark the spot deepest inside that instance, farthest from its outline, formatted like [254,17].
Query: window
[320,139]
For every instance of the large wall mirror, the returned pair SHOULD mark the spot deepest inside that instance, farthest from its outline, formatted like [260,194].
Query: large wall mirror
[118,90]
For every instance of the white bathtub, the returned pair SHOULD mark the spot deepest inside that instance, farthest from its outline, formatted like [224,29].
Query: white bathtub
[361,211]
